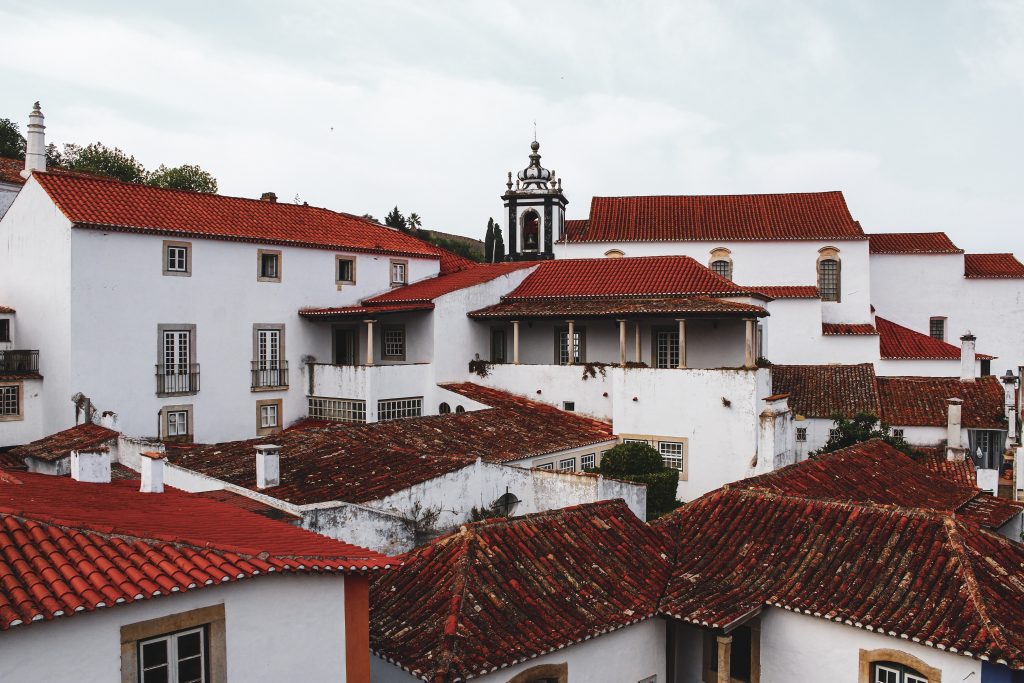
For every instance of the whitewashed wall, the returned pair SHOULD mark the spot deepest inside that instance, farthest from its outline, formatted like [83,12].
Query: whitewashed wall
[300,619]
[556,384]
[629,654]
[925,368]
[31,426]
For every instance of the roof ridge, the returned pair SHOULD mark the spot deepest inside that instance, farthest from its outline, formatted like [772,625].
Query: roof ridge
[502,522]
[733,194]
[448,656]
[869,506]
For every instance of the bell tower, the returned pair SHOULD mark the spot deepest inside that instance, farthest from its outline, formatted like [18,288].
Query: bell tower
[535,211]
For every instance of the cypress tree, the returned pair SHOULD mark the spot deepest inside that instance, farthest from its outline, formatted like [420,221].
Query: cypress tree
[489,242]
[499,244]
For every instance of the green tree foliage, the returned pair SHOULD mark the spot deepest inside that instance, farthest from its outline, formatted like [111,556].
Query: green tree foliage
[489,242]
[640,463]
[186,177]
[12,143]
[460,248]
[861,427]
[395,219]
[414,221]
[99,159]
[499,244]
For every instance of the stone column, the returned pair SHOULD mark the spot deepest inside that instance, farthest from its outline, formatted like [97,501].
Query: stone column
[636,342]
[622,343]
[569,345]
[748,347]
[515,342]
[369,341]
[682,343]
[724,653]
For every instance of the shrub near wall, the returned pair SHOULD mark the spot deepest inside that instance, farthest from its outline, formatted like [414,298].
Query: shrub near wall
[640,463]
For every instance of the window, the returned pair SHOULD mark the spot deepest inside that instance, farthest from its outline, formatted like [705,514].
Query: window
[569,405]
[672,454]
[987,447]
[562,345]
[397,408]
[345,273]
[890,672]
[5,329]
[833,434]
[614,253]
[895,666]
[531,231]
[10,401]
[177,257]
[546,466]
[399,273]
[268,416]
[392,343]
[498,354]
[588,461]
[937,328]
[801,433]
[666,348]
[176,658]
[444,409]
[828,274]
[336,409]
[176,373]
[459,410]
[723,268]
[898,433]
[177,423]
[268,368]
[567,465]
[269,263]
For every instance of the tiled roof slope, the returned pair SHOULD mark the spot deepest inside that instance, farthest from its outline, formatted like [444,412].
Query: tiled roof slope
[452,262]
[875,472]
[918,574]
[961,472]
[358,463]
[606,277]
[6,309]
[788,291]
[912,243]
[503,591]
[10,171]
[362,311]
[993,266]
[823,391]
[113,205]
[60,444]
[806,216]
[68,547]
[922,401]
[432,288]
[829,329]
[897,342]
[614,306]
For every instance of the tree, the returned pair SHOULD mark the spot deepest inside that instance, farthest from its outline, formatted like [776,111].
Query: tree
[12,143]
[640,463]
[414,221]
[395,219]
[499,245]
[185,177]
[861,427]
[489,242]
[101,160]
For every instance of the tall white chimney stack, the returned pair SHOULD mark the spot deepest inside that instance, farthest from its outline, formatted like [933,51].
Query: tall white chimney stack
[268,466]
[954,447]
[968,357]
[91,465]
[35,155]
[152,472]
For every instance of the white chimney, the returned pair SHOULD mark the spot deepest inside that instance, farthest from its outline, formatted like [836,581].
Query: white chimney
[152,472]
[268,466]
[1009,381]
[91,466]
[954,449]
[968,365]
[776,436]
[35,154]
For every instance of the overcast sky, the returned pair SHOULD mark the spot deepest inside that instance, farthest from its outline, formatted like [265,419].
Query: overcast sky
[914,110]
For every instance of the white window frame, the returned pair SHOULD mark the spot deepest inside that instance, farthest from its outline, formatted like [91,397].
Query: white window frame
[11,402]
[172,655]
[669,456]
[175,420]
[666,348]
[399,408]
[399,272]
[270,417]
[336,409]
[177,258]
[567,465]
[546,466]
[588,461]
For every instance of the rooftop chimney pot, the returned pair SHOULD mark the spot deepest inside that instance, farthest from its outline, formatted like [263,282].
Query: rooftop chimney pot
[91,466]
[152,472]
[968,357]
[268,197]
[268,466]
[35,152]
[954,448]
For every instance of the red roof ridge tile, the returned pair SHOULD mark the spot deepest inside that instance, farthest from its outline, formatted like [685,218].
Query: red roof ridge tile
[1002,265]
[909,243]
[897,342]
[848,329]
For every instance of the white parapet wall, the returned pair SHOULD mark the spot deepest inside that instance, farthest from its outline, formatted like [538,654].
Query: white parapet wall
[555,385]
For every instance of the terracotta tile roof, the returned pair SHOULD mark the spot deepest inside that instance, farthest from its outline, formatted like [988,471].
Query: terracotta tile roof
[576,226]
[848,329]
[993,266]
[112,205]
[806,216]
[923,575]
[788,291]
[500,592]
[823,391]
[59,445]
[960,472]
[432,288]
[68,547]
[10,171]
[912,243]
[6,309]
[561,308]
[452,262]
[358,463]
[362,311]
[902,343]
[606,277]
[922,401]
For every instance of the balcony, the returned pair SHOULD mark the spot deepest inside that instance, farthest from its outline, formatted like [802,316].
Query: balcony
[267,376]
[19,362]
[179,379]
[360,387]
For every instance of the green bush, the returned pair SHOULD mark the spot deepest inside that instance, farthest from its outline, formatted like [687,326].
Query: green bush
[661,490]
[631,458]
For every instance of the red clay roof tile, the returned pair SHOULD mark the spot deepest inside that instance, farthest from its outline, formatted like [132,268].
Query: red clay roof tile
[788,291]
[922,401]
[897,342]
[362,311]
[993,266]
[795,216]
[561,308]
[432,288]
[912,243]
[823,391]
[6,309]
[829,329]
[60,444]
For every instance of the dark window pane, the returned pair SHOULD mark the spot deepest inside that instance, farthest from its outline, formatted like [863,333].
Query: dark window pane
[155,675]
[739,660]
[189,644]
[154,653]
[190,670]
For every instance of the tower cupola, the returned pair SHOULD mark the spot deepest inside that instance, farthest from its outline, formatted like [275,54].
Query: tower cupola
[535,207]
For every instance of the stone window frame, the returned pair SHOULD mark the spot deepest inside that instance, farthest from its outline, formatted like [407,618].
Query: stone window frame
[193,356]
[19,386]
[186,408]
[187,246]
[614,253]
[543,672]
[282,358]
[338,258]
[212,618]
[653,440]
[830,254]
[931,326]
[260,253]
[877,656]
[384,329]
[724,255]
[279,404]
[391,272]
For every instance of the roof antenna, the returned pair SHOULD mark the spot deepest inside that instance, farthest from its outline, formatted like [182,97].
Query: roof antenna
[535,130]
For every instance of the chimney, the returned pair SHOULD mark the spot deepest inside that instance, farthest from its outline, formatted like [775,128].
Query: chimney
[1009,381]
[967,357]
[268,466]
[268,197]
[776,445]
[35,154]
[91,465]
[152,472]
[954,449]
